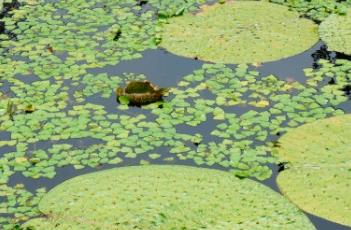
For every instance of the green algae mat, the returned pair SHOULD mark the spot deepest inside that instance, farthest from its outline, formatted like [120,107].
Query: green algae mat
[319,175]
[239,32]
[165,197]
[336,32]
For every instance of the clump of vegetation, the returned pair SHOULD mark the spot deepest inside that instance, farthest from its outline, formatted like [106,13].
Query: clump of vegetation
[19,204]
[171,8]
[317,10]
[140,93]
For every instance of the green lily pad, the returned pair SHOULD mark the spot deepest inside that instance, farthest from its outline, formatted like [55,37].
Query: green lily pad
[318,177]
[165,197]
[336,32]
[239,32]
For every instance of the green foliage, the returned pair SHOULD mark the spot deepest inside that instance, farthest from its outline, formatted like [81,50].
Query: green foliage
[171,8]
[239,32]
[18,204]
[317,10]
[50,47]
[241,139]
[51,113]
[338,75]
[165,197]
[318,175]
[335,31]
[98,84]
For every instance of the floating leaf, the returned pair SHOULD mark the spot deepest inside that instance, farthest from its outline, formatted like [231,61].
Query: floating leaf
[318,173]
[335,31]
[239,32]
[136,196]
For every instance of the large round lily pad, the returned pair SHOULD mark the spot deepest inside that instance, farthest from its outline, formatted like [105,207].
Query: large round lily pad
[166,197]
[336,32]
[318,178]
[239,32]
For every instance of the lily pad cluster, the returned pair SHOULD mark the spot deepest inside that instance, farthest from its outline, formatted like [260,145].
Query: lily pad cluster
[228,96]
[282,105]
[171,8]
[317,10]
[239,32]
[335,31]
[53,111]
[102,84]
[319,168]
[64,39]
[18,204]
[338,77]
[165,197]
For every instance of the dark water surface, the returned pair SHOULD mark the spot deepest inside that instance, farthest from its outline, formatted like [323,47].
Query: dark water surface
[166,70]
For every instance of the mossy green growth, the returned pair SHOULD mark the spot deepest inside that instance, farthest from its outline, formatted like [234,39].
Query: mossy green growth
[139,87]
[165,197]
[319,174]
[239,32]
[336,32]
[140,93]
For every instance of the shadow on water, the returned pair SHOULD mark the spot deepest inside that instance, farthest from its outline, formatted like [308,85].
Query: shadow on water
[166,70]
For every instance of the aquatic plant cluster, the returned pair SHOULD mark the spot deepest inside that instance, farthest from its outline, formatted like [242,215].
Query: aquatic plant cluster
[50,100]
[317,10]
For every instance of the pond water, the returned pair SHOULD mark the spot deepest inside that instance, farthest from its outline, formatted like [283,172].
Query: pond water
[166,69]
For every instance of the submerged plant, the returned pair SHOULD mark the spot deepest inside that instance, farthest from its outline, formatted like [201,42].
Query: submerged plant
[318,173]
[140,93]
[165,197]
